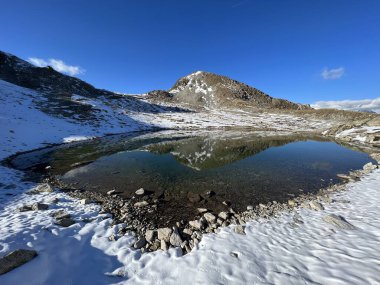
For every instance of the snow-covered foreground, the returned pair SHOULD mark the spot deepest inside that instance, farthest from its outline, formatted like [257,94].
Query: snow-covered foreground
[278,251]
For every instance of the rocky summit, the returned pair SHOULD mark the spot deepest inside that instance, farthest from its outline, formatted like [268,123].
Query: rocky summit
[210,90]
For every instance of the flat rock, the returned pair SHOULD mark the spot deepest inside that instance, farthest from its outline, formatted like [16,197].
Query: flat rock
[141,204]
[249,208]
[40,206]
[316,206]
[140,192]
[164,234]
[65,222]
[338,221]
[111,192]
[15,259]
[175,238]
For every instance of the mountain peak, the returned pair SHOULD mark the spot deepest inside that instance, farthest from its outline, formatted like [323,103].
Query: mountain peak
[210,90]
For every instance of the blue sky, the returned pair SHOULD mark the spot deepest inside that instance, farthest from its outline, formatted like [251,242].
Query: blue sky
[300,50]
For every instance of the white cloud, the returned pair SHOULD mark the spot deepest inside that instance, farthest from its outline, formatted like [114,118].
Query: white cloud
[355,105]
[57,64]
[334,73]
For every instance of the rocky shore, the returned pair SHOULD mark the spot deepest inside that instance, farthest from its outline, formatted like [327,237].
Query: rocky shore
[138,214]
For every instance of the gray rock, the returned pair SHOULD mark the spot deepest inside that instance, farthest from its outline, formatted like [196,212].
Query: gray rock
[338,221]
[141,204]
[164,234]
[188,232]
[140,192]
[240,230]
[210,218]
[196,224]
[140,243]
[25,208]
[175,238]
[15,259]
[249,208]
[45,187]
[316,206]
[224,215]
[40,206]
[85,201]
[61,214]
[292,203]
[149,235]
[369,166]
[111,192]
[65,222]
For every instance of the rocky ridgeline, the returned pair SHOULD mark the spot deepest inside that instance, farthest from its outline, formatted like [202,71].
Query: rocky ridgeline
[137,215]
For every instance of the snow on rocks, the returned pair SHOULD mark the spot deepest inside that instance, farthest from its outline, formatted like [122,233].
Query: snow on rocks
[338,221]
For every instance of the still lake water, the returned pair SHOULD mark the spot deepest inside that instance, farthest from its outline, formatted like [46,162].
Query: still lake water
[245,169]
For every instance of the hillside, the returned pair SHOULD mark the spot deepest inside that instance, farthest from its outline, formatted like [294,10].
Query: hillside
[209,90]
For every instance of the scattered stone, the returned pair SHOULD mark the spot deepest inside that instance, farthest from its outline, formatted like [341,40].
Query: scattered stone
[85,201]
[45,187]
[175,238]
[240,230]
[164,245]
[65,222]
[111,192]
[61,214]
[210,218]
[15,259]
[369,166]
[250,208]
[316,206]
[226,203]
[202,210]
[234,254]
[25,208]
[140,192]
[40,206]
[338,221]
[164,234]
[224,215]
[188,232]
[141,204]
[193,197]
[292,203]
[140,243]
[149,235]
[196,224]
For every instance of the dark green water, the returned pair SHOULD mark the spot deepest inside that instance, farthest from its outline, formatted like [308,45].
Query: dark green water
[245,169]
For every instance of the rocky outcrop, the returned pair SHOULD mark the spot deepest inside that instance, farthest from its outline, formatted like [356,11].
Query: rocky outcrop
[15,259]
[206,89]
